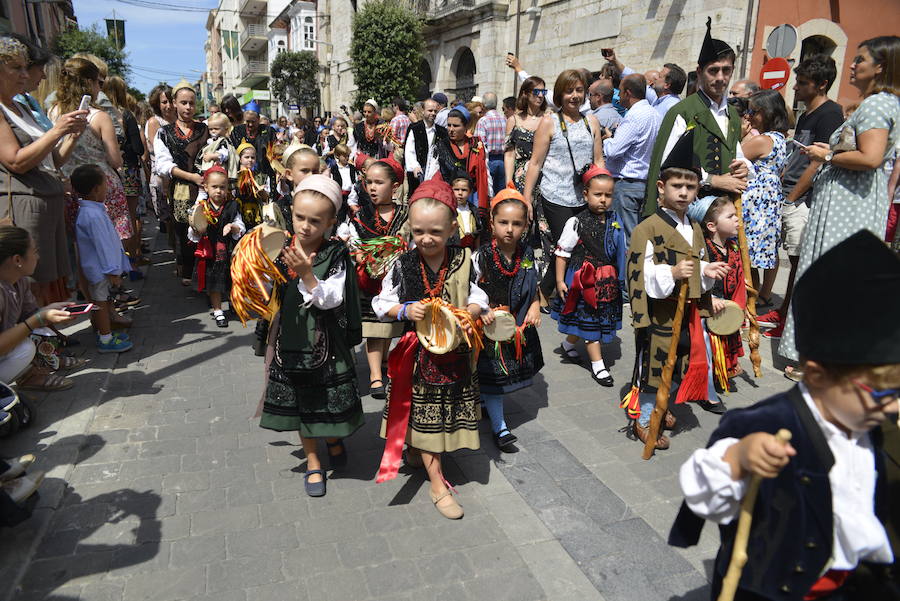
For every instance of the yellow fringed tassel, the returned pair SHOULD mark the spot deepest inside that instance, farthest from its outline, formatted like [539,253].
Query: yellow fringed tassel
[720,369]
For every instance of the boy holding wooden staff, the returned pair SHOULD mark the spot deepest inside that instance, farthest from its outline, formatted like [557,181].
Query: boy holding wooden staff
[822,497]
[666,253]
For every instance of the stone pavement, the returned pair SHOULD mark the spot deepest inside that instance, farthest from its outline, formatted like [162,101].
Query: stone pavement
[161,486]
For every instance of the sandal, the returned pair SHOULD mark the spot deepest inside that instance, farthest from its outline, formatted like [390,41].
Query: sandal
[377,392]
[794,374]
[67,362]
[49,383]
[570,355]
[130,300]
[340,460]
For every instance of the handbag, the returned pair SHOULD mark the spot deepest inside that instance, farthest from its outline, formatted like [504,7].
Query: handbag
[577,173]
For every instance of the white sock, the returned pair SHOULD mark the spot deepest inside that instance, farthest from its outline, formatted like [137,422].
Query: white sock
[597,366]
[567,346]
[105,338]
[218,312]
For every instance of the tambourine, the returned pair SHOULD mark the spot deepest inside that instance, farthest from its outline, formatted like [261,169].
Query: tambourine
[439,331]
[503,328]
[198,219]
[728,321]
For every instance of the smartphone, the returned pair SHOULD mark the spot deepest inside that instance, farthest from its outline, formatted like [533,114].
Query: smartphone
[85,103]
[80,309]
[796,143]
[606,52]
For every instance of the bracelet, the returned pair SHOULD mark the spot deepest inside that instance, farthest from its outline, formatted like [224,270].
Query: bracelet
[40,320]
[28,326]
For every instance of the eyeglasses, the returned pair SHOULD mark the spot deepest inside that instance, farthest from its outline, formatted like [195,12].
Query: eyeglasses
[539,92]
[881,397]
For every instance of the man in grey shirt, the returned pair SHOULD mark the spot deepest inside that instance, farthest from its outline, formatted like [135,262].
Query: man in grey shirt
[601,95]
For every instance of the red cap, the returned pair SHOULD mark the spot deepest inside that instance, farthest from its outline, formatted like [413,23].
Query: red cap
[592,172]
[393,164]
[360,159]
[214,169]
[437,189]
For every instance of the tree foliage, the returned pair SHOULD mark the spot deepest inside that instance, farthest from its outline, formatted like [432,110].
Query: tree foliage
[138,95]
[75,39]
[294,78]
[385,51]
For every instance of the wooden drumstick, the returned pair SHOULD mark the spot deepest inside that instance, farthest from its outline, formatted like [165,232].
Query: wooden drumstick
[739,550]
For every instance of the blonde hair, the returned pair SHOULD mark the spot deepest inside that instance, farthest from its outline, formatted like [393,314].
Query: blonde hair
[116,91]
[220,120]
[342,150]
[99,62]
[387,114]
[74,82]
[430,203]
[50,82]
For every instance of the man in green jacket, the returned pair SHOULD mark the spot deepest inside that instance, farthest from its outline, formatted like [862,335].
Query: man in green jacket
[716,128]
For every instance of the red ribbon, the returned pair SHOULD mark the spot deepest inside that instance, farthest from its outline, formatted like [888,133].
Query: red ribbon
[584,285]
[694,384]
[830,582]
[401,362]
[204,251]
[367,283]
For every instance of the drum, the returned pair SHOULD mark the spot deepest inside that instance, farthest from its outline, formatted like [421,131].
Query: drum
[439,332]
[198,219]
[272,240]
[503,328]
[728,321]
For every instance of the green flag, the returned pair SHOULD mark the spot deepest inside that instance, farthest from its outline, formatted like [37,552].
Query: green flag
[115,31]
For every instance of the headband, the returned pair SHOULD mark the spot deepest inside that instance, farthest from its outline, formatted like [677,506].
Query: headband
[509,192]
[393,164]
[183,84]
[371,102]
[214,169]
[323,185]
[463,111]
[437,189]
[592,172]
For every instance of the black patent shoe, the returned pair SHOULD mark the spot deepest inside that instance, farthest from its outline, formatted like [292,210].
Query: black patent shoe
[717,408]
[504,439]
[606,380]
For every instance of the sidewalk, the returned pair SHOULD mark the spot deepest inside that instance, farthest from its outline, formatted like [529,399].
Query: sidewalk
[161,486]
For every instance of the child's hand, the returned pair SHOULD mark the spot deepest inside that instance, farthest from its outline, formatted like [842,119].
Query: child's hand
[759,454]
[211,156]
[717,270]
[228,229]
[296,259]
[487,318]
[718,305]
[683,270]
[353,208]
[415,311]
[562,290]
[533,317]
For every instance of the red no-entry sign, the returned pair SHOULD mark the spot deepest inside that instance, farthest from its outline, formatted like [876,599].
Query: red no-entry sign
[774,74]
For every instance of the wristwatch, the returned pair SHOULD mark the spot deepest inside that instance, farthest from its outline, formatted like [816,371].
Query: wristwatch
[706,182]
[829,156]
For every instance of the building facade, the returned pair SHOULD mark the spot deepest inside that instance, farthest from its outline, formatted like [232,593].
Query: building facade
[39,22]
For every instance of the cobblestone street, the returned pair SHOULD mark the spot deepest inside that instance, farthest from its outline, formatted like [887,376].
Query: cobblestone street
[161,486]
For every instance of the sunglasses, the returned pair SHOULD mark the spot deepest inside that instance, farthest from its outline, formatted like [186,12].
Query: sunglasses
[881,397]
[539,92]
[749,112]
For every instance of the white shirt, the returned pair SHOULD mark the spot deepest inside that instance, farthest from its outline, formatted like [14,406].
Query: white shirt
[194,236]
[858,534]
[658,280]
[164,163]
[441,117]
[720,114]
[409,151]
[328,294]
[389,297]
[568,239]
[628,152]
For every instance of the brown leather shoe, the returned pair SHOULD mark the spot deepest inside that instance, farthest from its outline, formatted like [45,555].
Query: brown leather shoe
[662,443]
[669,422]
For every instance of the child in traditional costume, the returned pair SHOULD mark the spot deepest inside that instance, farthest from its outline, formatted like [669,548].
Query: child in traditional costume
[218,149]
[433,405]
[505,270]
[250,191]
[216,228]
[668,248]
[822,500]
[312,376]
[468,224]
[377,235]
[590,275]
[358,195]
[718,219]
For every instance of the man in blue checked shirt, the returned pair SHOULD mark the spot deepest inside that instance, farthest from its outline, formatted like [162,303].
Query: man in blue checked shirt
[491,128]
[628,152]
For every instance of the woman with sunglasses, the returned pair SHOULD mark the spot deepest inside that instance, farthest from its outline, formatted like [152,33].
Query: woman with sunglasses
[850,191]
[766,113]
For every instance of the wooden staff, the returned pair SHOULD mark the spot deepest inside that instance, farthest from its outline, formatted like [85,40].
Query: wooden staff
[752,293]
[739,550]
[665,381]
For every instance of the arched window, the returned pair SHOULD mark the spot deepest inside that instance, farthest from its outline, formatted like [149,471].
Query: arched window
[424,80]
[465,75]
[309,33]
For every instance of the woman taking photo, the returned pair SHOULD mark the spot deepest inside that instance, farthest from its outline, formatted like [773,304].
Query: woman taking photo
[565,145]
[32,194]
[38,59]
[850,190]
[98,144]
[460,151]
[176,147]
[531,105]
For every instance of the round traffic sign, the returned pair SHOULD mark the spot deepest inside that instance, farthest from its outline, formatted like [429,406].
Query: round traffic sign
[781,41]
[774,74]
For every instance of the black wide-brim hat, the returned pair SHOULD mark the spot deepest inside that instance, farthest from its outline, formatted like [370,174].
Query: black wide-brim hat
[845,305]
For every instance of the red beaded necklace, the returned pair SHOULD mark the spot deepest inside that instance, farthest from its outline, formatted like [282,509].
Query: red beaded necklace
[383,225]
[369,131]
[517,260]
[434,291]
[184,136]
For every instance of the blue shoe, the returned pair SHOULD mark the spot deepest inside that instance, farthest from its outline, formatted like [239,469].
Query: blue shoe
[4,417]
[314,489]
[116,345]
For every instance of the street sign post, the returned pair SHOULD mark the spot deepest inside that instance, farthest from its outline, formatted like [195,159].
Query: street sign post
[781,42]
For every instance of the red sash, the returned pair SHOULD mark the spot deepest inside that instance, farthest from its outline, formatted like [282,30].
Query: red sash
[831,581]
[694,383]
[401,362]
[204,252]
[584,285]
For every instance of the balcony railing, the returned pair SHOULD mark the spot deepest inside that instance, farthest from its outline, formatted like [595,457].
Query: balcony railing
[252,7]
[254,68]
[432,9]
[253,31]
